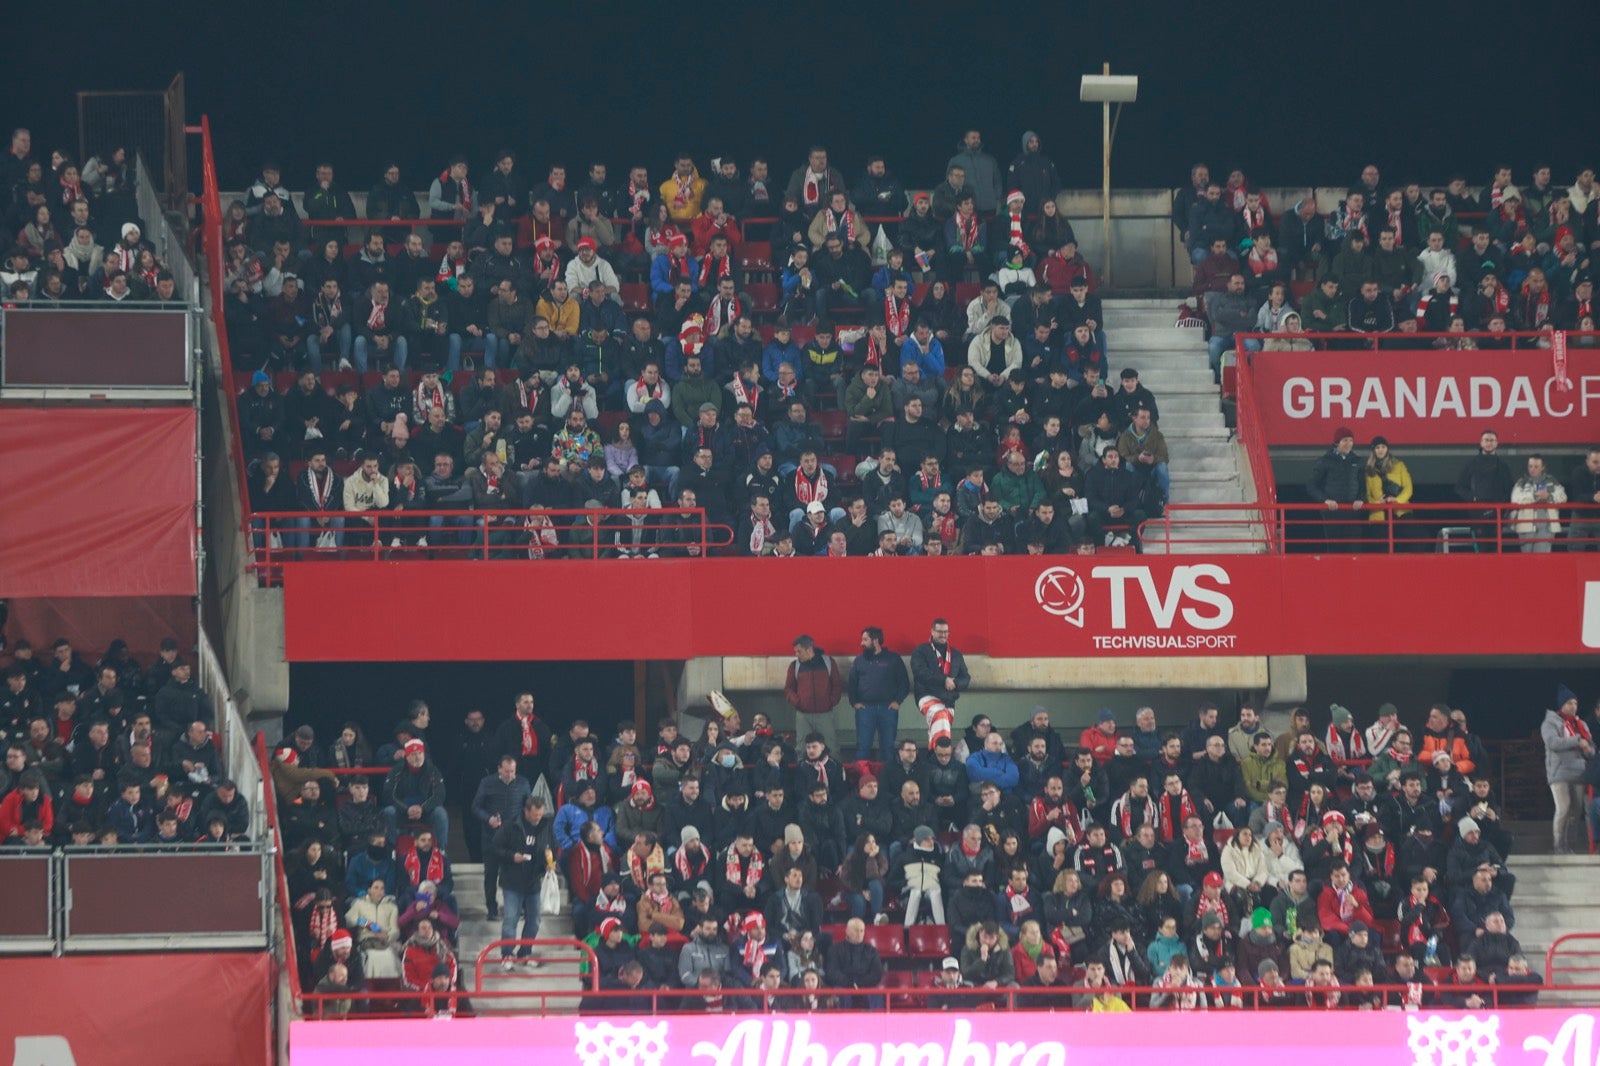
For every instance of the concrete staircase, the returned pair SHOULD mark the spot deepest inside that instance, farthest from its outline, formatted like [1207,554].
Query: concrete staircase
[1556,895]
[1204,461]
[559,972]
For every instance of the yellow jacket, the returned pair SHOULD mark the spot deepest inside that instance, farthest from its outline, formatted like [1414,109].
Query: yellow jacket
[690,208]
[1400,476]
[1107,1005]
[563,317]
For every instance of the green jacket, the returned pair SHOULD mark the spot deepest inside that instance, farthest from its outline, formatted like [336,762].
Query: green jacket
[1259,774]
[875,409]
[1018,493]
[1333,309]
[1352,269]
[1427,223]
[689,393]
[1396,269]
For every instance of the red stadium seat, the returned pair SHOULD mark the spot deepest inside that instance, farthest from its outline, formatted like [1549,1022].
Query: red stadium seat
[832,423]
[966,292]
[928,941]
[803,334]
[756,255]
[890,940]
[763,296]
[1301,289]
[609,421]
[836,932]
[899,979]
[635,296]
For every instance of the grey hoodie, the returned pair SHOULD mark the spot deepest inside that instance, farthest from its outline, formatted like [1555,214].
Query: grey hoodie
[983,176]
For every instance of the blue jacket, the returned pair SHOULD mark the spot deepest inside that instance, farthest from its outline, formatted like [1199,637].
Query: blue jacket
[661,274]
[991,766]
[932,363]
[674,368]
[884,277]
[570,819]
[362,871]
[775,353]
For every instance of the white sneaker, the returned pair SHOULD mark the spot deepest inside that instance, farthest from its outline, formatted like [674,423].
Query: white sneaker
[882,919]
[507,964]
[394,542]
[422,542]
[531,963]
[344,364]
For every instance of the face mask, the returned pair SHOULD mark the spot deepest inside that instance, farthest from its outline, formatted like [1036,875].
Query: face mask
[728,761]
[377,852]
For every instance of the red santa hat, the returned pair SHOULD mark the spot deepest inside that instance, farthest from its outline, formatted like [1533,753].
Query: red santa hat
[340,941]
[1333,816]
[587,242]
[414,747]
[677,240]
[288,756]
[608,926]
[691,335]
[1015,194]
[754,921]
[542,243]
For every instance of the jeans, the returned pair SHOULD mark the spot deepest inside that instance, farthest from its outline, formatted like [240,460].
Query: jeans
[821,724]
[341,338]
[397,352]
[661,475]
[1219,344]
[518,908]
[459,524]
[870,907]
[311,531]
[1163,478]
[914,898]
[439,821]
[488,344]
[1197,254]
[876,721]
[491,864]
[1569,797]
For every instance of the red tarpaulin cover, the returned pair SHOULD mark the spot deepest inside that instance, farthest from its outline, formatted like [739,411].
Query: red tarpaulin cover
[97,502]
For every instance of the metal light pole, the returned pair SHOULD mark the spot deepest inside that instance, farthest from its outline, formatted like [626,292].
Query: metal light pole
[1106,89]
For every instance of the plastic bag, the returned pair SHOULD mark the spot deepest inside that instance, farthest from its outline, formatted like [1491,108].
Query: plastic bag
[550,894]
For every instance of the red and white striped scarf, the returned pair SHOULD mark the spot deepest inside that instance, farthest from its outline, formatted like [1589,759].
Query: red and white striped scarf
[844,224]
[1172,817]
[743,393]
[320,493]
[813,190]
[435,871]
[760,530]
[1147,815]
[1395,226]
[896,316]
[72,192]
[806,490]
[749,876]
[647,392]
[1427,300]
[376,317]
[690,868]
[1342,749]
[683,190]
[547,270]
[967,230]
[722,313]
[463,188]
[427,399]
[1017,240]
[530,736]
[1254,221]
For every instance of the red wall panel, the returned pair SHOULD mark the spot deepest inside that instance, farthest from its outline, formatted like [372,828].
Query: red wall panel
[1018,606]
[97,501]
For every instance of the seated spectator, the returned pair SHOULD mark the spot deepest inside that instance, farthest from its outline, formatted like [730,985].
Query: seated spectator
[1227,313]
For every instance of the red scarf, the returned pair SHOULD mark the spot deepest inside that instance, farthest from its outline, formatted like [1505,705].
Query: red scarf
[806,490]
[753,955]
[1383,865]
[435,871]
[72,192]
[723,313]
[530,738]
[1254,221]
[1125,818]
[320,493]
[874,353]
[585,771]
[845,222]
[690,870]
[683,192]
[1218,906]
[1342,848]
[640,869]
[427,399]
[750,876]
[943,526]
[375,317]
[548,270]
[1341,749]
[529,400]
[1536,313]
[463,188]
[1428,298]
[1016,234]
[588,861]
[724,270]
[896,316]
[813,190]
[743,393]
[1576,727]
[1394,226]
[967,230]
[1171,821]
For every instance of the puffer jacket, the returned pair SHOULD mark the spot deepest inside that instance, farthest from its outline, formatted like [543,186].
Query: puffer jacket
[1532,519]
[998,968]
[1563,758]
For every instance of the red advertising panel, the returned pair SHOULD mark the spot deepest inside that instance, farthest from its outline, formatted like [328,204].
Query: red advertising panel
[187,1007]
[114,486]
[1015,607]
[960,1038]
[1428,397]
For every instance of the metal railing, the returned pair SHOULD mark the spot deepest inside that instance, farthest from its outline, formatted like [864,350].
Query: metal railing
[1385,528]
[1413,340]
[238,753]
[1563,958]
[580,533]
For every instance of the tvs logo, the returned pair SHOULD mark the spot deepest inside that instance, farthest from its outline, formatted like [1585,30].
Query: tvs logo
[1059,591]
[1193,595]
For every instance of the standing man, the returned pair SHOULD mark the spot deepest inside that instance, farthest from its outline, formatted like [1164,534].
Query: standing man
[525,738]
[1242,737]
[878,685]
[1583,535]
[473,761]
[813,687]
[1486,479]
[983,173]
[526,849]
[497,802]
[1568,745]
[937,669]
[1339,483]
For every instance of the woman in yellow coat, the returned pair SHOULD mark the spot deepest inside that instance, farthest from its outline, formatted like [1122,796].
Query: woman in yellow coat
[1388,481]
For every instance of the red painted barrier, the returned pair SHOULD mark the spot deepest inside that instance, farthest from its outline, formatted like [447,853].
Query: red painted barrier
[127,1008]
[1426,397]
[1013,606]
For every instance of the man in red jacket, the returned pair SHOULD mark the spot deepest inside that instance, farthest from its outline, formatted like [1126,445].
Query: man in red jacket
[813,687]
[1341,904]
[1101,738]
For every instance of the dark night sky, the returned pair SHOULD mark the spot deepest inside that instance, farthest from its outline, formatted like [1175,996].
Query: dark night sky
[1301,97]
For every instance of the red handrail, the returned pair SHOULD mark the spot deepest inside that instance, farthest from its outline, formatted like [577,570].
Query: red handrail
[285,914]
[1396,338]
[1550,966]
[591,961]
[211,237]
[1254,439]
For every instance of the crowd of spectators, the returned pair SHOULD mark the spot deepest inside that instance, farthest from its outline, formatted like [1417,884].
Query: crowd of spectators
[114,754]
[77,231]
[1392,258]
[1365,498]
[502,369]
[1202,860]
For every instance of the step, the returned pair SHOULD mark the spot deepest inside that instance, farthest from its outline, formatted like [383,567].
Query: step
[1139,303]
[1153,337]
[1152,318]
[1188,403]
[1190,466]
[1171,380]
